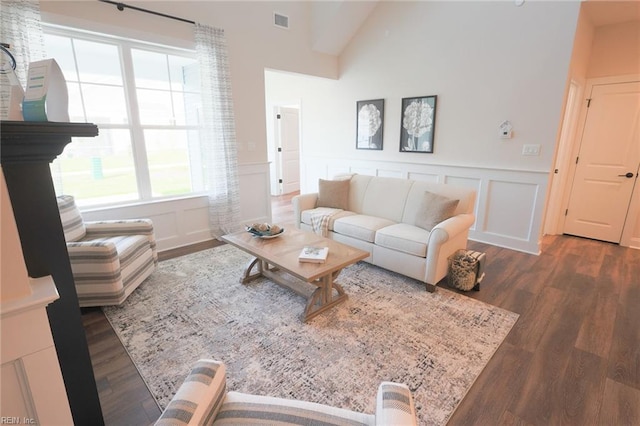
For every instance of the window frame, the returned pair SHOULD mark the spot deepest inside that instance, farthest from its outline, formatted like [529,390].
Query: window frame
[134,126]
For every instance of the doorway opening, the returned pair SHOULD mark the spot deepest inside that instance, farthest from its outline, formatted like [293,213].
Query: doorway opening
[284,148]
[601,190]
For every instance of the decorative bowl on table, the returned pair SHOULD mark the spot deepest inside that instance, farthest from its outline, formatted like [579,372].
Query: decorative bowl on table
[265,230]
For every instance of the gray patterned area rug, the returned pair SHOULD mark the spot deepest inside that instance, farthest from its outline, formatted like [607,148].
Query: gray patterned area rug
[389,328]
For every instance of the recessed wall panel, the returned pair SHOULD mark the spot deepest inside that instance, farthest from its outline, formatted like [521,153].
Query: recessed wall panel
[364,171]
[468,182]
[196,220]
[509,209]
[391,173]
[424,177]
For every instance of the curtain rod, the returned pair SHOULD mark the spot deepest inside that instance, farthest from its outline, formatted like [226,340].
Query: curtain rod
[122,6]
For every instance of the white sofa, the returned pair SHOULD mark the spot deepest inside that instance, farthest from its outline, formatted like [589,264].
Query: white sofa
[380,215]
[202,399]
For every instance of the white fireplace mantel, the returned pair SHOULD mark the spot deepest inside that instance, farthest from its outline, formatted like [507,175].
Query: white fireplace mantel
[33,390]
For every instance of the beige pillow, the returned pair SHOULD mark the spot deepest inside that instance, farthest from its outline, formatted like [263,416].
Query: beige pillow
[333,193]
[434,209]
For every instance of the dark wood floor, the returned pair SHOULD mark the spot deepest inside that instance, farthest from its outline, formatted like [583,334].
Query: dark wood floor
[572,358]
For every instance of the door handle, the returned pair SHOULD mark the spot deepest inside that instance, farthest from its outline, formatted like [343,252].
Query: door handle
[628,175]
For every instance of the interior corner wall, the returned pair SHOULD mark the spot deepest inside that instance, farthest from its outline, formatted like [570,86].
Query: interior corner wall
[615,50]
[582,45]
[487,62]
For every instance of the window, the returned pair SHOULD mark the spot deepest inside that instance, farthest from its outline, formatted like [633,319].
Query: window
[145,100]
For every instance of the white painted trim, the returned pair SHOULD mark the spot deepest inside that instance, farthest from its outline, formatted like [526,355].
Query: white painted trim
[33,387]
[183,221]
[627,239]
[559,192]
[43,292]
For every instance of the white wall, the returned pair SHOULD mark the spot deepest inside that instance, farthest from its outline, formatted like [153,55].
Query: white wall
[487,62]
[14,282]
[254,44]
[615,50]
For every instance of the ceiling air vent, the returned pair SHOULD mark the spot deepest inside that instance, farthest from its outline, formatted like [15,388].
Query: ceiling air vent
[281,21]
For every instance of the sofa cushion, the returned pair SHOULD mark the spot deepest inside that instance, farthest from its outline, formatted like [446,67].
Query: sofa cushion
[415,196]
[246,409]
[385,197]
[333,193]
[404,238]
[360,226]
[333,214]
[434,209]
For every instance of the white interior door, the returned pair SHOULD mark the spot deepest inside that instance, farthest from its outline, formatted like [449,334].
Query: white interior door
[289,149]
[608,163]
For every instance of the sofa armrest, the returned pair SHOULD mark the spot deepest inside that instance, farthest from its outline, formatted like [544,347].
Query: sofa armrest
[394,405]
[199,398]
[445,238]
[453,226]
[301,203]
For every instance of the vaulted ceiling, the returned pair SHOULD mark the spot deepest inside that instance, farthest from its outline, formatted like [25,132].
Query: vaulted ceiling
[336,22]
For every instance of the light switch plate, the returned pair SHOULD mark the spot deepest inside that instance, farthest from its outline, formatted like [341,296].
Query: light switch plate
[531,149]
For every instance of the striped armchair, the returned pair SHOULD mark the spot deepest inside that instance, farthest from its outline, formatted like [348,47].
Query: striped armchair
[109,259]
[203,400]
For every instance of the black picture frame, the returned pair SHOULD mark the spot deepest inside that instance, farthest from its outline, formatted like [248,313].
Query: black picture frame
[417,124]
[370,124]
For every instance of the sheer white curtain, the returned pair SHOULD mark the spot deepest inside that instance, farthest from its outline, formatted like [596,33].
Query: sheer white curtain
[218,136]
[21,28]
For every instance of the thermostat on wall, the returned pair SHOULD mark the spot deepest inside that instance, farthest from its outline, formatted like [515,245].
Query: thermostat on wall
[506,129]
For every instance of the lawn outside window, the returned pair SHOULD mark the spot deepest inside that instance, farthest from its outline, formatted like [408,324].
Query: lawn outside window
[145,100]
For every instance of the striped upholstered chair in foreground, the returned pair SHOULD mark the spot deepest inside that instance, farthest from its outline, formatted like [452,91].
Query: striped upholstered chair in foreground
[203,400]
[109,259]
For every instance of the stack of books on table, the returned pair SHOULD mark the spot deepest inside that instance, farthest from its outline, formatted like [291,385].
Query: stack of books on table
[313,254]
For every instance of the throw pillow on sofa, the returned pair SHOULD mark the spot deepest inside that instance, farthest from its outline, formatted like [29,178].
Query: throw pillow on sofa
[434,209]
[333,193]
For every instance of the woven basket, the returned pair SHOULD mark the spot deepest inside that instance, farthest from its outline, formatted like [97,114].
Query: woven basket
[463,271]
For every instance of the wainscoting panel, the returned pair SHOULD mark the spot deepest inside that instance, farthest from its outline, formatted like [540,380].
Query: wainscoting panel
[467,182]
[506,201]
[255,195]
[423,177]
[390,173]
[509,203]
[183,221]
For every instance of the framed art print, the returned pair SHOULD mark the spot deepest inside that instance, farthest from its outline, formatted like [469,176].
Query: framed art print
[369,124]
[417,124]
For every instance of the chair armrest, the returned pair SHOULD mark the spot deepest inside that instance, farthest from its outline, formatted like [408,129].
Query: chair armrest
[394,405]
[112,228]
[95,251]
[199,398]
[107,228]
[301,203]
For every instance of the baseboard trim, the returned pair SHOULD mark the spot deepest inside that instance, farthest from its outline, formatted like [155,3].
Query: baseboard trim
[188,249]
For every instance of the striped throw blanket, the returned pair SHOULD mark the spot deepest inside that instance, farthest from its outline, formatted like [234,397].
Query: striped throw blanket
[320,221]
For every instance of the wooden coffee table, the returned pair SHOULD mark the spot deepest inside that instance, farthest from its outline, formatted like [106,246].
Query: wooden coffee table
[277,259]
